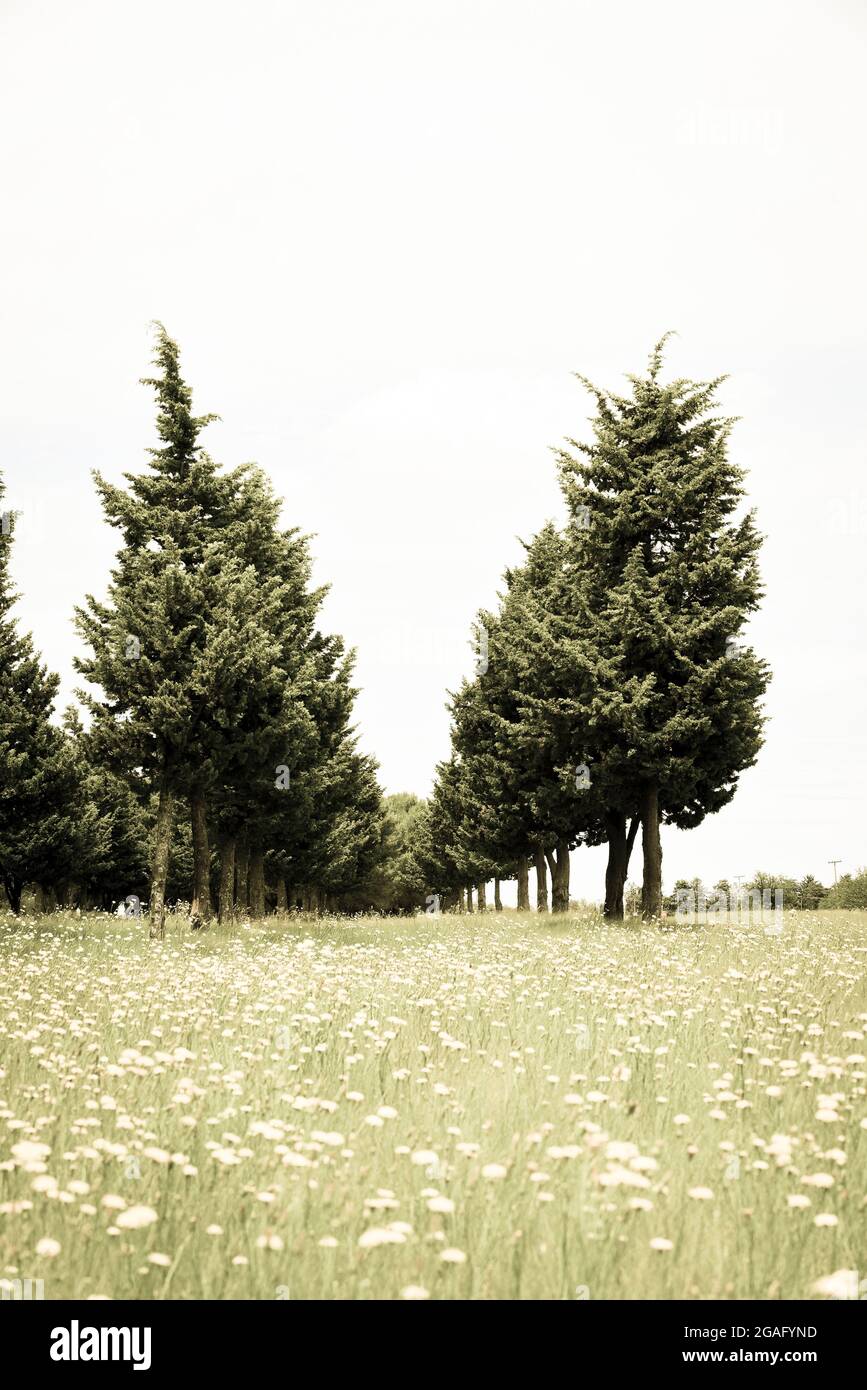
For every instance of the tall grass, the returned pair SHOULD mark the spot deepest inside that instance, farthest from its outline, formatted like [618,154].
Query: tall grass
[497,1107]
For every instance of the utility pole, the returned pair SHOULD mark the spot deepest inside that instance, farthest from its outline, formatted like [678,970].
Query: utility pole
[835,862]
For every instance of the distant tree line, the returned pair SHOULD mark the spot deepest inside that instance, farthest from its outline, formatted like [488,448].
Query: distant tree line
[806,893]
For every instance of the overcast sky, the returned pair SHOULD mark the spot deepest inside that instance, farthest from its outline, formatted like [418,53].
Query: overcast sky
[385,236]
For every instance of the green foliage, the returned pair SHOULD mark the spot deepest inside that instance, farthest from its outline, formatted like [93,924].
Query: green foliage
[45,822]
[850,891]
[615,683]
[217,687]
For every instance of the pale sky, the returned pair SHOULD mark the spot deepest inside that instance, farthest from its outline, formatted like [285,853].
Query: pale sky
[385,235]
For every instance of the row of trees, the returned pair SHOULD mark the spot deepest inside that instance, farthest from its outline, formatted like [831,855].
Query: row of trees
[612,689]
[218,763]
[212,695]
[806,893]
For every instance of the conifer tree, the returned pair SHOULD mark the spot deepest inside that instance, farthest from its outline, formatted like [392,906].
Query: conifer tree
[43,824]
[433,855]
[521,731]
[324,826]
[112,863]
[662,578]
[157,651]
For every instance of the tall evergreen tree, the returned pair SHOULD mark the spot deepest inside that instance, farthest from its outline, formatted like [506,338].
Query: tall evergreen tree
[521,732]
[158,646]
[112,864]
[664,576]
[44,824]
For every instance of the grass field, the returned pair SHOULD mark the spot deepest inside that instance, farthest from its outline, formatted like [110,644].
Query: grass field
[456,1108]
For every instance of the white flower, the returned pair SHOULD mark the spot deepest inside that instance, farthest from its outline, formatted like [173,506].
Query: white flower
[443,1205]
[453,1257]
[700,1194]
[660,1243]
[28,1151]
[47,1249]
[843,1283]
[618,1176]
[414,1293]
[380,1235]
[494,1171]
[269,1243]
[825,1218]
[134,1218]
[619,1150]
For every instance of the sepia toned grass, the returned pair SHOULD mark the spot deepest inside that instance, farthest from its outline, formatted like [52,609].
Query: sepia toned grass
[498,1107]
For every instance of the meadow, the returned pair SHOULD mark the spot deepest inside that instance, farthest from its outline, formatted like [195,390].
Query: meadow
[464,1107]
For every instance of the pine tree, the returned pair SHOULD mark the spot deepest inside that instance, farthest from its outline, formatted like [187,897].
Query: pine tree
[42,823]
[157,652]
[112,863]
[521,732]
[324,826]
[663,579]
[433,852]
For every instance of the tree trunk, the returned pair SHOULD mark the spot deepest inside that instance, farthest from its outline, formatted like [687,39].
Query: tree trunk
[615,871]
[651,891]
[560,883]
[469,897]
[551,860]
[160,861]
[242,868]
[13,889]
[227,878]
[523,884]
[619,853]
[498,901]
[282,897]
[482,897]
[461,905]
[257,883]
[201,904]
[541,882]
